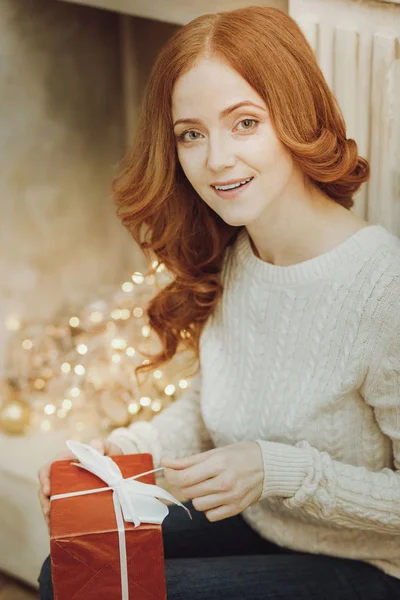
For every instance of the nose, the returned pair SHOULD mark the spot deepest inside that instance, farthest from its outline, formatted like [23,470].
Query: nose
[220,154]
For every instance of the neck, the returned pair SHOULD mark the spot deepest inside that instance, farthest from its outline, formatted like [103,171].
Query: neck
[307,229]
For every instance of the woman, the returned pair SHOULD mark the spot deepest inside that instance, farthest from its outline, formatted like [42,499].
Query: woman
[241,180]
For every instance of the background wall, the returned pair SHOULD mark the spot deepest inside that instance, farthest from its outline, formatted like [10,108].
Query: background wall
[62,133]
[357,45]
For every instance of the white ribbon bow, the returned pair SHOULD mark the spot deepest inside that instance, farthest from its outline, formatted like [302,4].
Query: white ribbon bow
[134,501]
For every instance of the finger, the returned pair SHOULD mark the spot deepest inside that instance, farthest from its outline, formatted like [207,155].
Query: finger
[204,488]
[111,449]
[64,455]
[189,476]
[44,503]
[221,512]
[187,461]
[45,506]
[210,502]
[44,472]
[44,478]
[99,445]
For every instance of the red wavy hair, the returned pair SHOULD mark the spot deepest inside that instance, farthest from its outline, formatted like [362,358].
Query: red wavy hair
[156,202]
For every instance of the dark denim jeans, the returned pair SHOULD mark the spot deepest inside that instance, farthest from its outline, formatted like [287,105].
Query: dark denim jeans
[227,560]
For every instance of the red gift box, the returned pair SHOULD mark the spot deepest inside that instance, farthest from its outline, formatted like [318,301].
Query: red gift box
[84,543]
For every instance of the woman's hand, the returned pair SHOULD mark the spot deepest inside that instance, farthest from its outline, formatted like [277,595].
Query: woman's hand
[103,446]
[222,482]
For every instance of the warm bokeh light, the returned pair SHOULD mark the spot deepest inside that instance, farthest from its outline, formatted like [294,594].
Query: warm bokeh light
[133,408]
[96,317]
[137,278]
[27,344]
[84,365]
[156,405]
[118,344]
[12,323]
[145,401]
[39,384]
[128,286]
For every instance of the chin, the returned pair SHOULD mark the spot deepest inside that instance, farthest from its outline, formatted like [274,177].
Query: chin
[239,220]
[236,222]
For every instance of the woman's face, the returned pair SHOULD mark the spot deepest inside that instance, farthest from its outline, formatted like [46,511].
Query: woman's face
[215,148]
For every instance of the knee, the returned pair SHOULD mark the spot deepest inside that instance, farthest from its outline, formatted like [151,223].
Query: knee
[45,581]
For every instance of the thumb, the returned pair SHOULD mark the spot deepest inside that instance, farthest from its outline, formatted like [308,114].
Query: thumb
[98,444]
[111,449]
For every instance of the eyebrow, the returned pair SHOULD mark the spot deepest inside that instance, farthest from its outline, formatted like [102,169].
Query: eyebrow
[224,113]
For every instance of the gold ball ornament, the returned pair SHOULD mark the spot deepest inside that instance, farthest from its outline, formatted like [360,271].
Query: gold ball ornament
[14,416]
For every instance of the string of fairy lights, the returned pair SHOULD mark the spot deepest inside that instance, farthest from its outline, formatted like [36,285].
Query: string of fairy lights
[80,369]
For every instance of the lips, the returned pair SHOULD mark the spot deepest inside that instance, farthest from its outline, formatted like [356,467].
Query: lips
[233,192]
[232,182]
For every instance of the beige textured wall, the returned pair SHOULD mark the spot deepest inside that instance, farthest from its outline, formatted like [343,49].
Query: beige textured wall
[62,134]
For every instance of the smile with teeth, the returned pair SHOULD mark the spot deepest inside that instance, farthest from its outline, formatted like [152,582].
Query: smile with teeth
[233,185]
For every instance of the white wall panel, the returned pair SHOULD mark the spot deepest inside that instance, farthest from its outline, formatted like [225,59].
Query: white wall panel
[357,46]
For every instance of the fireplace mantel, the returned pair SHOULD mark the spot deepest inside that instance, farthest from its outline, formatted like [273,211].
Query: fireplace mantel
[178,11]
[171,11]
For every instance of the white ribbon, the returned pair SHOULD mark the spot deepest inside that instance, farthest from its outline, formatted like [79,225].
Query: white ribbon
[134,501]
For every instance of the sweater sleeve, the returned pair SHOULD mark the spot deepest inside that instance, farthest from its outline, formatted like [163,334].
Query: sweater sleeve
[177,431]
[330,490]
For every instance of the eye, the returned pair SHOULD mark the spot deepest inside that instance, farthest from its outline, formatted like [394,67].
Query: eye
[249,121]
[181,137]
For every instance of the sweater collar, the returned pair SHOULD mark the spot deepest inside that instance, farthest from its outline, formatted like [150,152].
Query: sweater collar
[365,240]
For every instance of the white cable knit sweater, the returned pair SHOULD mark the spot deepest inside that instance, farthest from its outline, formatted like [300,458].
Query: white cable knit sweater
[305,360]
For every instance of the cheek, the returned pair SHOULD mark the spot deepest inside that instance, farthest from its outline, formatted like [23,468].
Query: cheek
[265,149]
[285,163]
[191,166]
[185,163]
[276,161]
